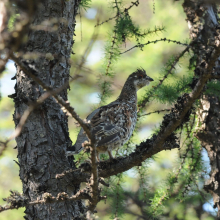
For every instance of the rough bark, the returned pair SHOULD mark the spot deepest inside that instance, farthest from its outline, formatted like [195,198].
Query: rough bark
[44,139]
[203,24]
[208,134]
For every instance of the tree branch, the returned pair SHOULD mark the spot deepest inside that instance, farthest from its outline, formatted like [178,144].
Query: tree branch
[154,42]
[154,145]
[95,192]
[158,111]
[17,200]
[160,141]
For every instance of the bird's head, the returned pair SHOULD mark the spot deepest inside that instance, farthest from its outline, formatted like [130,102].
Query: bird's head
[140,78]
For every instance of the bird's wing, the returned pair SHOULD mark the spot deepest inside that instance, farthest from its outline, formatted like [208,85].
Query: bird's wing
[108,124]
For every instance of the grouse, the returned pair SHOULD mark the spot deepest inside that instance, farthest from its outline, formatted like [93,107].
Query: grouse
[112,125]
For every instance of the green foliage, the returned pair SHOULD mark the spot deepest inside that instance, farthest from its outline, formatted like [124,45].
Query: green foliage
[213,88]
[115,195]
[12,20]
[13,17]
[170,91]
[169,86]
[85,4]
[186,179]
[143,174]
[192,61]
[106,90]
[178,190]
[125,29]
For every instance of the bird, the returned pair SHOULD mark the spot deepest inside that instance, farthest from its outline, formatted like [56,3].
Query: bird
[112,125]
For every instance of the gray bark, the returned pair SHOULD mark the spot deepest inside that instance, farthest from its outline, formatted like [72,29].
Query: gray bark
[45,138]
[208,134]
[203,24]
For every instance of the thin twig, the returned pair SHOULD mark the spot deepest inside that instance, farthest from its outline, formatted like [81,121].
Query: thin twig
[158,111]
[87,51]
[117,196]
[95,192]
[111,53]
[99,24]
[154,42]
[142,182]
[46,198]
[153,7]
[117,15]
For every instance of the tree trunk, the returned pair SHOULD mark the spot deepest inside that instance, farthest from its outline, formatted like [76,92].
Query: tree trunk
[208,134]
[203,22]
[44,139]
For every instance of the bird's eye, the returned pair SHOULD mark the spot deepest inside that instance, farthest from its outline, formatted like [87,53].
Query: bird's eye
[140,76]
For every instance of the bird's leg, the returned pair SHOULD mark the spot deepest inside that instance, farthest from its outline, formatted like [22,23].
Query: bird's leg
[110,155]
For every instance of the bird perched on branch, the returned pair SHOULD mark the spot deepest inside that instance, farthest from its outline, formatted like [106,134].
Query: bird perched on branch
[112,125]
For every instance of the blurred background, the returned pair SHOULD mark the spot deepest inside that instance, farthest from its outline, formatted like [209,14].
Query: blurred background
[84,97]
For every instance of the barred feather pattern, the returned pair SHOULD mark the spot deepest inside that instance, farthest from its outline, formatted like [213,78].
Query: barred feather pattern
[112,125]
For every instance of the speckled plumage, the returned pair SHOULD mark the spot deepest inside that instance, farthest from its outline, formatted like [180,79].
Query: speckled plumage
[113,124]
